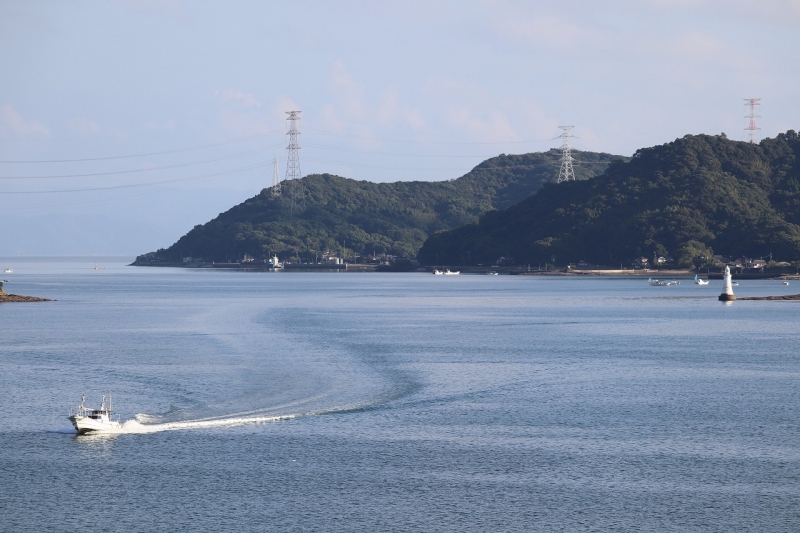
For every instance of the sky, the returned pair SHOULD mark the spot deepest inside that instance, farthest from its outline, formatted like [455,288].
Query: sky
[124,123]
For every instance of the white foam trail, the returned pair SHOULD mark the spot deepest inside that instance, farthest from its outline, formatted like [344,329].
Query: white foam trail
[134,426]
[144,423]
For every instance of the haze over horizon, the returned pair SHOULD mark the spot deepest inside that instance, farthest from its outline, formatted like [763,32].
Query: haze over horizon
[194,96]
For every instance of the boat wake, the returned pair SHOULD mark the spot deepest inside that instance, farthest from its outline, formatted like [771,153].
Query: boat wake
[136,426]
[144,423]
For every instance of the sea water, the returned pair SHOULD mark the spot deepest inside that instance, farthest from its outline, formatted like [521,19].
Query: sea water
[395,402]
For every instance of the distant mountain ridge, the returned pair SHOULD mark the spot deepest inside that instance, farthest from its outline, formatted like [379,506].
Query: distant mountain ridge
[366,217]
[698,195]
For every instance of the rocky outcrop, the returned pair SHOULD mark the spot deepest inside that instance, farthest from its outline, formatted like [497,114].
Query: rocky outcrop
[785,297]
[16,298]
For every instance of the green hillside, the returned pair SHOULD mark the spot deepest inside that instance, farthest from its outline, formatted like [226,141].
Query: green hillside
[368,217]
[686,198]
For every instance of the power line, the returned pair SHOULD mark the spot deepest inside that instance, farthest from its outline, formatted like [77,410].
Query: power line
[353,150]
[366,137]
[234,171]
[242,139]
[499,167]
[345,164]
[83,202]
[133,171]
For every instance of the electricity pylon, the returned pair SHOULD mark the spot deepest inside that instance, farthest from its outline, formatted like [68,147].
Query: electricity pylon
[294,183]
[566,173]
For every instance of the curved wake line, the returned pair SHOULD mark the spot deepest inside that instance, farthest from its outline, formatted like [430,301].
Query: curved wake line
[134,426]
[144,423]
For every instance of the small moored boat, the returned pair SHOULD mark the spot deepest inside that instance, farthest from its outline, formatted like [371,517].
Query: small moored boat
[662,283]
[699,281]
[88,420]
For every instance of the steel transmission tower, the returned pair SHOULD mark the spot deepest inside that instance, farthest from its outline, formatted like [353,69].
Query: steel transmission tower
[293,182]
[752,128]
[566,173]
[276,179]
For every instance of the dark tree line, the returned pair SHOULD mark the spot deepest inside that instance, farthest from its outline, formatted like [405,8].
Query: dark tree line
[366,217]
[688,198]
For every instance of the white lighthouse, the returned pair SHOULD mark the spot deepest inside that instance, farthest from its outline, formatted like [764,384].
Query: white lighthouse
[727,292]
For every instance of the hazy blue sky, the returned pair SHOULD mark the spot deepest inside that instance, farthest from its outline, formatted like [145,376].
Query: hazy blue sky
[388,91]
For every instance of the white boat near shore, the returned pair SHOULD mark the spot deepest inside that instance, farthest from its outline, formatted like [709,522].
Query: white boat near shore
[699,281]
[662,283]
[88,420]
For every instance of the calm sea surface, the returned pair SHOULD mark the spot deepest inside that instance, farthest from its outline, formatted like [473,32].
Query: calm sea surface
[395,402]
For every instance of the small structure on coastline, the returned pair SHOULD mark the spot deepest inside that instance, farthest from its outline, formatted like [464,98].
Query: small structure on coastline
[727,292]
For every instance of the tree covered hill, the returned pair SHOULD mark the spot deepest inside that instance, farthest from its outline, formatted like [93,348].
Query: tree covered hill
[688,198]
[366,217]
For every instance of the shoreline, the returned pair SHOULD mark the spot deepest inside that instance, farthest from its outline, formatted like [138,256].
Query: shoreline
[17,298]
[788,297]
[514,271]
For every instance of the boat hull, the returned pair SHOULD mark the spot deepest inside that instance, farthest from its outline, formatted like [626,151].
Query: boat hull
[85,425]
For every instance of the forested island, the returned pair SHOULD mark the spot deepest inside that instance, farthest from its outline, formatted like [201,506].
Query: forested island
[352,218]
[685,201]
[689,199]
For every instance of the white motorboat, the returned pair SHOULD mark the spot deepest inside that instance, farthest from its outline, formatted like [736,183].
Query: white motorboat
[698,281]
[437,272]
[9,271]
[449,272]
[275,263]
[662,283]
[785,282]
[491,273]
[88,420]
